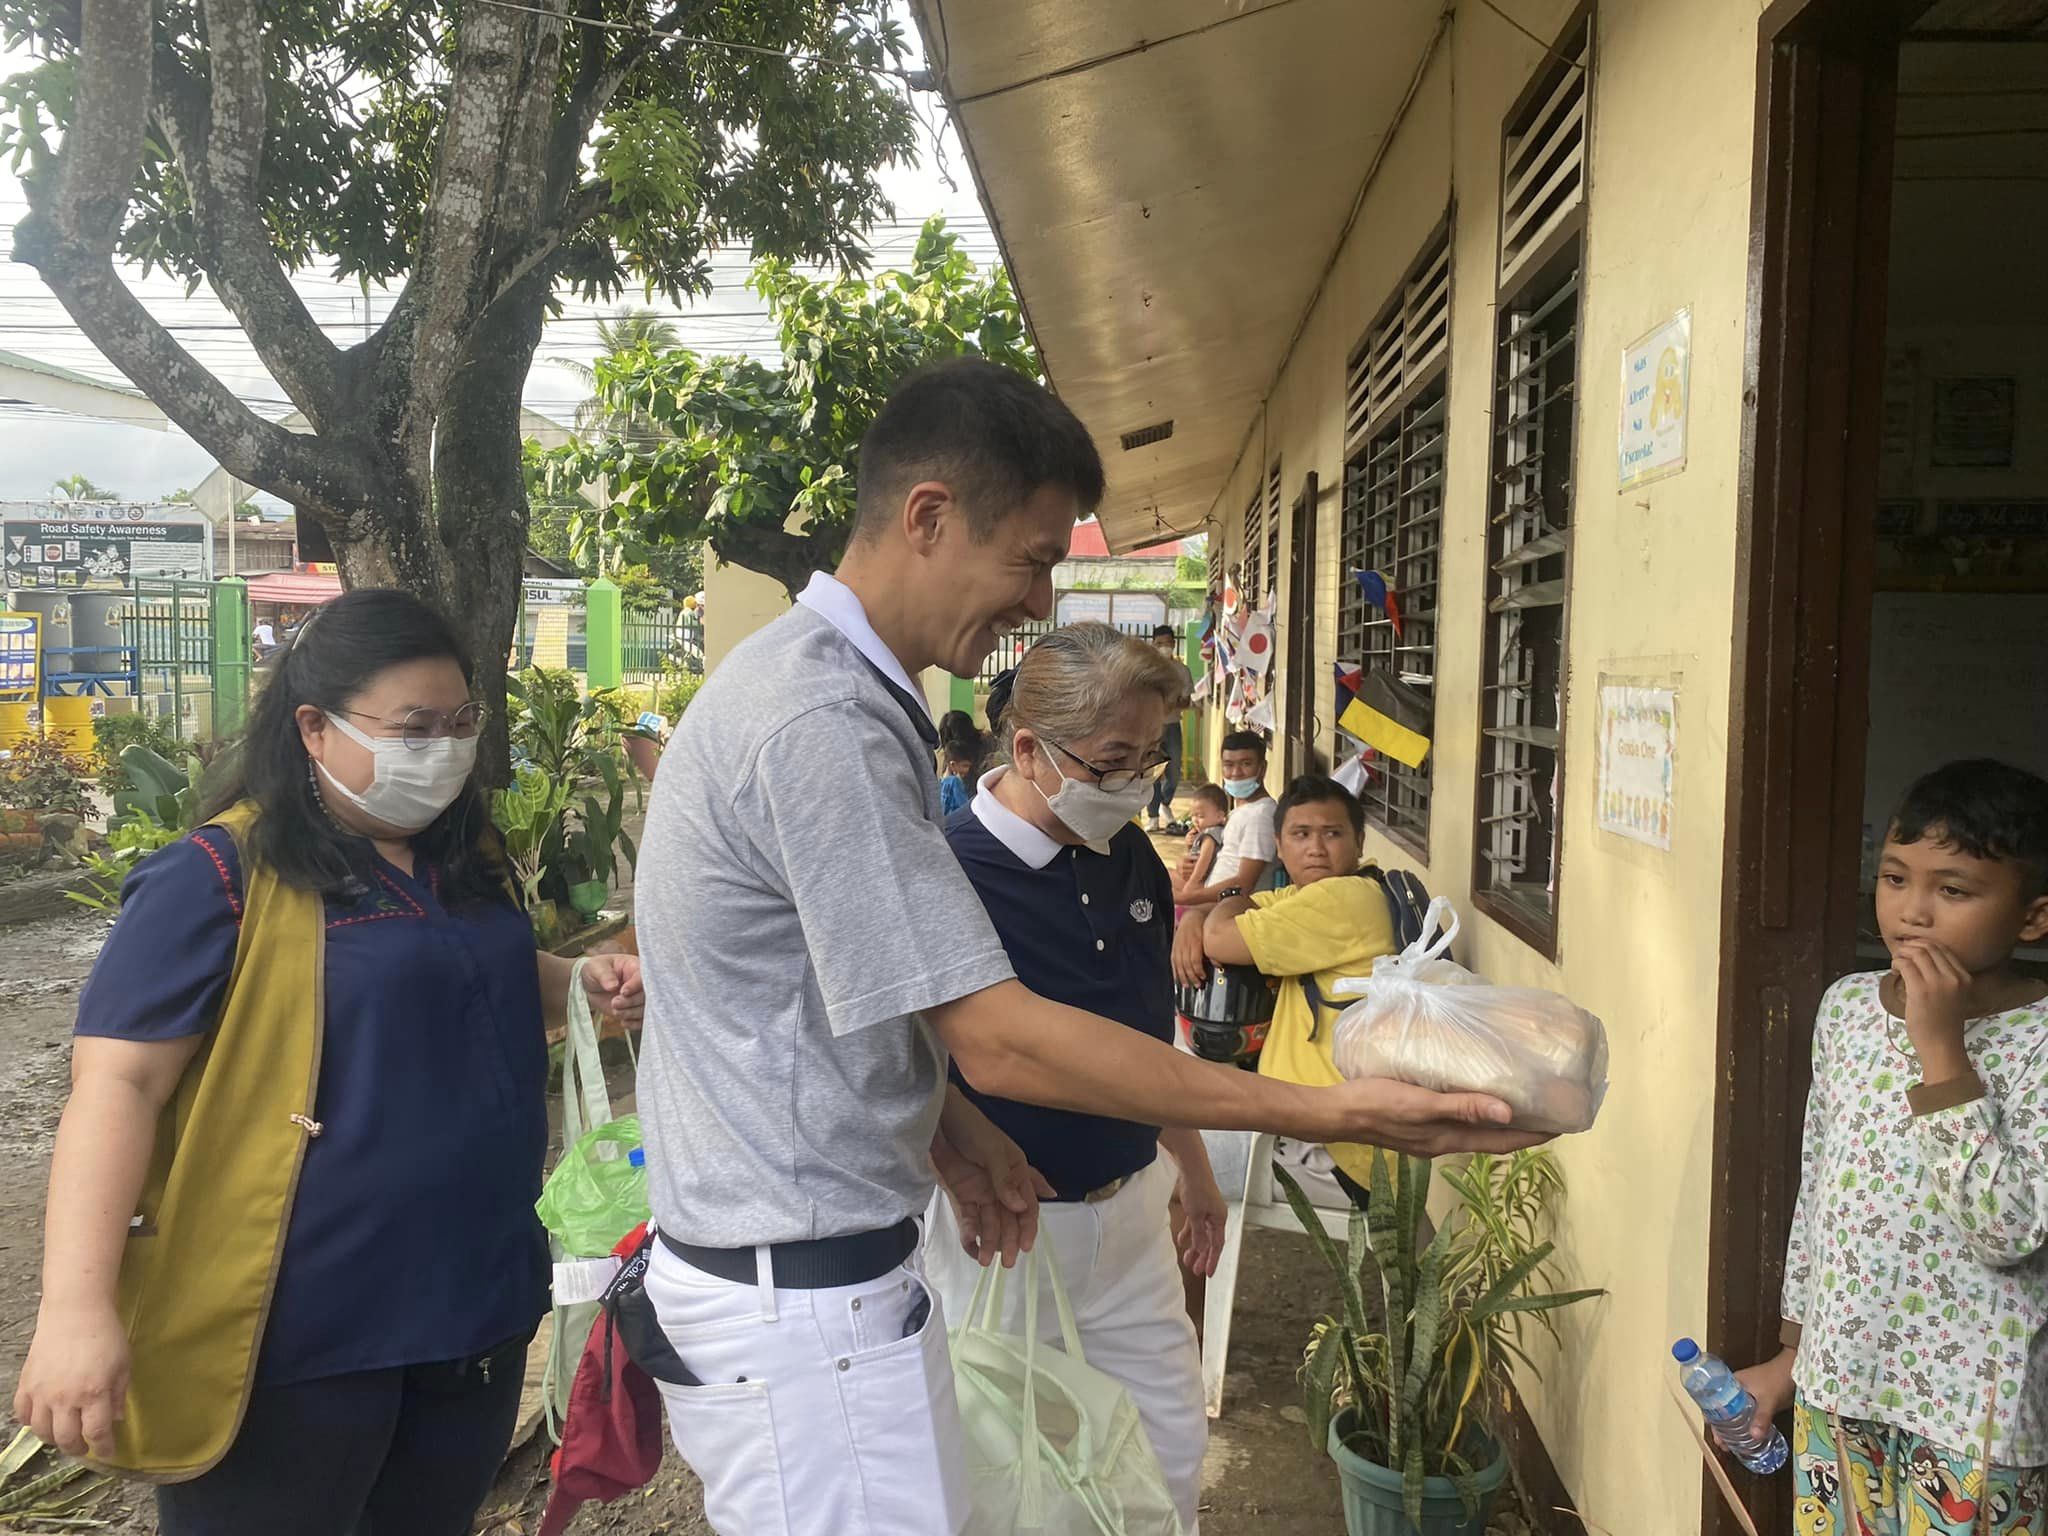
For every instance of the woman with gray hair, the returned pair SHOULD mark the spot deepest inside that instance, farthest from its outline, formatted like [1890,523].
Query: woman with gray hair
[1084,908]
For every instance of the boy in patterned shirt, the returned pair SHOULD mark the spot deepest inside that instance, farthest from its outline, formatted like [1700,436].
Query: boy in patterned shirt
[1916,1278]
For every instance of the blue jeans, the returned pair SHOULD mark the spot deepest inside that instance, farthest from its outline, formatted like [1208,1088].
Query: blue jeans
[1169,781]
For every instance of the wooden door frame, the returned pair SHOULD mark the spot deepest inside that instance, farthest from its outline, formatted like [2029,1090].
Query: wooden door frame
[1820,235]
[1298,746]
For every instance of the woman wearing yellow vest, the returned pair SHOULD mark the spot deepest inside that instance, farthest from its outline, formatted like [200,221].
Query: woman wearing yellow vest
[1328,923]
[291,1262]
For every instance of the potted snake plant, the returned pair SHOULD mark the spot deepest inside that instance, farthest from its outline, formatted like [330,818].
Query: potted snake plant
[1403,1386]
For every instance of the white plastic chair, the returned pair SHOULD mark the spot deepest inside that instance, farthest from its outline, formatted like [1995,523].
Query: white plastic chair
[1263,1205]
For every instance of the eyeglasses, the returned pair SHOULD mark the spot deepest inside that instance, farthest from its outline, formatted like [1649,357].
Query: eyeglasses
[421,726]
[1116,779]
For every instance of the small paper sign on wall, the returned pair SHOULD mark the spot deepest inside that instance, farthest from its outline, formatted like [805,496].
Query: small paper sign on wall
[1656,402]
[1638,762]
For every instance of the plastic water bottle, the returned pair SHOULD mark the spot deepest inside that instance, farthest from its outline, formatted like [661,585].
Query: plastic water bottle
[1728,1408]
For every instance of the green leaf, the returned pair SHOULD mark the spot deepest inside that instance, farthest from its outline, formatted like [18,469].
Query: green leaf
[1305,1213]
[1319,1380]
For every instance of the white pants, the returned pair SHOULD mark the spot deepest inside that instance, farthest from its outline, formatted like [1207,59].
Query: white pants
[818,1416]
[1118,1262]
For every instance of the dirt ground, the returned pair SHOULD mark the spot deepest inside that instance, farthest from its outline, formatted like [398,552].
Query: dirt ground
[1262,1475]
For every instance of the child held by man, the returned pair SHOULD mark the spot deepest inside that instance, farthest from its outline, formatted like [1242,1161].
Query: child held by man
[1916,1278]
[1209,810]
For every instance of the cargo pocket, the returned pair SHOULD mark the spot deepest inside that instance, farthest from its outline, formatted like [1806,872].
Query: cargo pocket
[905,1425]
[727,1435]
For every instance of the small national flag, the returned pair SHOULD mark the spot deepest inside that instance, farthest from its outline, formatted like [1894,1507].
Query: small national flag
[1389,717]
[1260,716]
[1380,594]
[1349,676]
[1258,644]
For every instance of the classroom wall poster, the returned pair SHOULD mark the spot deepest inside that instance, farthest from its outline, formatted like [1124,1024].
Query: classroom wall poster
[1638,758]
[1656,383]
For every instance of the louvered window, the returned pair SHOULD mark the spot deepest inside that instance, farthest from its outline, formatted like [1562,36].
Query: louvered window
[1393,513]
[1535,420]
[1543,162]
[1254,546]
[1272,586]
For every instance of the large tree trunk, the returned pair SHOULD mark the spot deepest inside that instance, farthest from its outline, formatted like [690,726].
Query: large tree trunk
[480,496]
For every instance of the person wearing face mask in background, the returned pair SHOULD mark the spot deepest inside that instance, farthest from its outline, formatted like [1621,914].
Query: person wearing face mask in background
[1084,910]
[1250,844]
[311,1066]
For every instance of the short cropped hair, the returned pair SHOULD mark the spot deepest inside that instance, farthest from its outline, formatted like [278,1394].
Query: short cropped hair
[1212,796]
[1317,789]
[1986,809]
[993,435]
[1245,741]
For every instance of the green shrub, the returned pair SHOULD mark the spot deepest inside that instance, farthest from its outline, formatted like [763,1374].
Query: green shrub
[39,775]
[678,687]
[111,733]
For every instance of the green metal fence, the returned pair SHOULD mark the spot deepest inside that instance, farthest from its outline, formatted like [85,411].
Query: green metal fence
[653,638]
[179,673]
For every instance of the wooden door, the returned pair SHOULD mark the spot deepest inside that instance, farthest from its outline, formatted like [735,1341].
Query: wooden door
[1300,723]
[1820,233]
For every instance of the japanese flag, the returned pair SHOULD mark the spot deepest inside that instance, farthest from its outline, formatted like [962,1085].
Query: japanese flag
[1257,648]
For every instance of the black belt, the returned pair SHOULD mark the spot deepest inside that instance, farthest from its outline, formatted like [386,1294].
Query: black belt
[817,1265]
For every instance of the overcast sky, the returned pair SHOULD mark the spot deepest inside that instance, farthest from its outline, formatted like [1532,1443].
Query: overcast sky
[37,447]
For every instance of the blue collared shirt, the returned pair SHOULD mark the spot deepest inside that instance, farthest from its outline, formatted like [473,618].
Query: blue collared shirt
[413,1237]
[1092,929]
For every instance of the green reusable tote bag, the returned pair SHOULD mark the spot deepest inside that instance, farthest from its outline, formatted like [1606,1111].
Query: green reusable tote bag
[1054,1447]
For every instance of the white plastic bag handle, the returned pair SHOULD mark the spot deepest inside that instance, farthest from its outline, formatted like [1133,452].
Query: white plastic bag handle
[1441,914]
[585,1102]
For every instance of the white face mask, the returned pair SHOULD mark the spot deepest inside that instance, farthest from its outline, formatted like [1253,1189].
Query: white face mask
[1091,812]
[409,786]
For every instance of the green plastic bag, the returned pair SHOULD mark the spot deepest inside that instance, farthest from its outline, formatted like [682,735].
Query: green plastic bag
[598,1191]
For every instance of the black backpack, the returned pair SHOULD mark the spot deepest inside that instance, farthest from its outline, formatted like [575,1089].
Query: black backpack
[1407,902]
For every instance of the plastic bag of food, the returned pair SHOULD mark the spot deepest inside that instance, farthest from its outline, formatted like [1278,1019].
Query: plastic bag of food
[1425,1020]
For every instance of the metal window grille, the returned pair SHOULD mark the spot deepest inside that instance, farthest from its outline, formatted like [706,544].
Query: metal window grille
[1393,524]
[1392,519]
[1529,547]
[1535,419]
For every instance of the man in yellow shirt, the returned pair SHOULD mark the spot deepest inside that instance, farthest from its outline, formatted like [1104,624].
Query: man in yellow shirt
[1329,923]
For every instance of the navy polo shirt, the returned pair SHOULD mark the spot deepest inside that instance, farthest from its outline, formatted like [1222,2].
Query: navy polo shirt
[413,1237]
[1092,930]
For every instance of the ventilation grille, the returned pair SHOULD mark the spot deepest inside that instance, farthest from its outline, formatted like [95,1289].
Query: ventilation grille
[1399,352]
[1145,437]
[1543,172]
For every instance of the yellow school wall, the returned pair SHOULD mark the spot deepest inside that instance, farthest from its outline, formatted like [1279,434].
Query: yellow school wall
[1652,598]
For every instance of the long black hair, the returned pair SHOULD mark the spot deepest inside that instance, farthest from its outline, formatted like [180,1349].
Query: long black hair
[334,657]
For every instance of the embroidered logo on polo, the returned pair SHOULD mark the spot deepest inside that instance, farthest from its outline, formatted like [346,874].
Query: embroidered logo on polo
[1141,911]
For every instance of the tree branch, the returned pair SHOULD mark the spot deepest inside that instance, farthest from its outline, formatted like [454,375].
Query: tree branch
[595,89]
[429,329]
[69,235]
[218,145]
[516,265]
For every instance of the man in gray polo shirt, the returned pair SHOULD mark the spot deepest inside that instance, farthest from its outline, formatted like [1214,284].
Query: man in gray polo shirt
[812,951]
